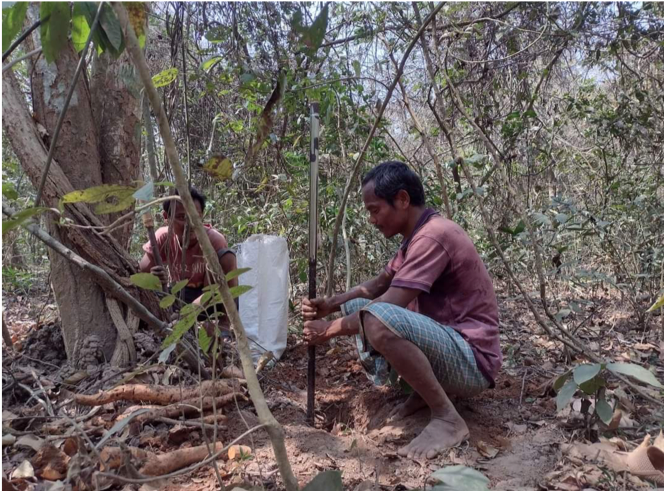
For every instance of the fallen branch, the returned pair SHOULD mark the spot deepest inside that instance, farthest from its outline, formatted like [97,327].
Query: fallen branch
[158,394]
[150,464]
[187,407]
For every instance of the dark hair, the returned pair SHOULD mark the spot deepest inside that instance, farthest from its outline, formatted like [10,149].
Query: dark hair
[196,195]
[391,177]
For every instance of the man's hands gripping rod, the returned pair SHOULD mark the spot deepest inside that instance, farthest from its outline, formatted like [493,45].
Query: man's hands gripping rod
[313,311]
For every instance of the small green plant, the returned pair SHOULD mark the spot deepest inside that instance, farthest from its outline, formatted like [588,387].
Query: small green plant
[14,279]
[590,380]
[458,478]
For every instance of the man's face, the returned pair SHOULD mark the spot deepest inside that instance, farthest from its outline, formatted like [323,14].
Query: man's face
[179,216]
[388,219]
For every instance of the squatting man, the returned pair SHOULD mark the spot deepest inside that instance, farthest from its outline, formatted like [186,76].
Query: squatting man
[431,315]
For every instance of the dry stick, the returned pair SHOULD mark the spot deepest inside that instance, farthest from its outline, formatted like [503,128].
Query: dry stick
[19,60]
[425,139]
[61,118]
[379,116]
[274,430]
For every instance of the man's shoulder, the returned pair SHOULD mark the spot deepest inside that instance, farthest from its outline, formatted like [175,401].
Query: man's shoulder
[216,236]
[439,228]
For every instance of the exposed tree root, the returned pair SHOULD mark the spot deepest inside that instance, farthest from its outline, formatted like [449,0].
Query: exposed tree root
[158,394]
[187,407]
[150,464]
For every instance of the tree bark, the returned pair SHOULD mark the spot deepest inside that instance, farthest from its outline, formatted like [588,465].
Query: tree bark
[77,165]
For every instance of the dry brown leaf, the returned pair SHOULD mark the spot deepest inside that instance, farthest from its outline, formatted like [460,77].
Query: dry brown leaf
[32,441]
[238,451]
[50,462]
[23,471]
[486,450]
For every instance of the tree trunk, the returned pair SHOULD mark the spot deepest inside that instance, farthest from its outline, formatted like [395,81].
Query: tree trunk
[84,157]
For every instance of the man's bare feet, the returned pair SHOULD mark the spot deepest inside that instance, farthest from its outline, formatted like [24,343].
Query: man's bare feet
[441,433]
[413,404]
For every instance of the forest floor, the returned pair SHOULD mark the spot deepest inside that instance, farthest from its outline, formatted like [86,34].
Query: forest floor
[517,438]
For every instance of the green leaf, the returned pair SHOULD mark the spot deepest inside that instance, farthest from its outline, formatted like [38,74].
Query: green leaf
[591,386]
[111,26]
[167,301]
[179,329]
[636,371]
[585,372]
[146,193]
[356,67]
[312,37]
[165,77]
[562,218]
[203,340]
[565,395]
[175,289]
[560,381]
[325,481]
[657,305]
[12,21]
[21,217]
[163,356]
[604,411]
[111,197]
[235,273]
[80,30]
[55,30]
[236,291]
[148,281]
[461,477]
[219,167]
[207,64]
[9,191]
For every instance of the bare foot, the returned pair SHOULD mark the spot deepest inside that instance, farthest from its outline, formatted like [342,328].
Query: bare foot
[440,434]
[413,404]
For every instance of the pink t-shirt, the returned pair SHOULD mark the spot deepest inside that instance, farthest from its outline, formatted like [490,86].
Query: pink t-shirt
[440,260]
[194,267]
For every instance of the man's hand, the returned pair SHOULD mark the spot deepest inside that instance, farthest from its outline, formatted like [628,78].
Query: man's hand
[316,308]
[160,272]
[315,332]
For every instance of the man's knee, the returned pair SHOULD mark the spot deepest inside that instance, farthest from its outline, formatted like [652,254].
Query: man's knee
[378,335]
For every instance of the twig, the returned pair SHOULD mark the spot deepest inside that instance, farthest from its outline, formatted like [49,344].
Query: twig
[19,60]
[22,37]
[186,470]
[61,118]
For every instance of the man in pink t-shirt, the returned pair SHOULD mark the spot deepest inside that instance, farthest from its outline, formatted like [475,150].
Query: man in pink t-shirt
[431,315]
[194,267]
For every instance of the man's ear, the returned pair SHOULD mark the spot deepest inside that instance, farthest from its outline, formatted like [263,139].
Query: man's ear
[402,199]
[164,214]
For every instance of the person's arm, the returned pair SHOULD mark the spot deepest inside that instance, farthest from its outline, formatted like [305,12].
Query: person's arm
[146,263]
[317,308]
[371,289]
[320,331]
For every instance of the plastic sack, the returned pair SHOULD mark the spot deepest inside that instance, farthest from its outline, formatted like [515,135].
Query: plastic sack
[264,308]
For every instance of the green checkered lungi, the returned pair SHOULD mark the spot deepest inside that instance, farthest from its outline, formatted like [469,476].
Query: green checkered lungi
[451,357]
